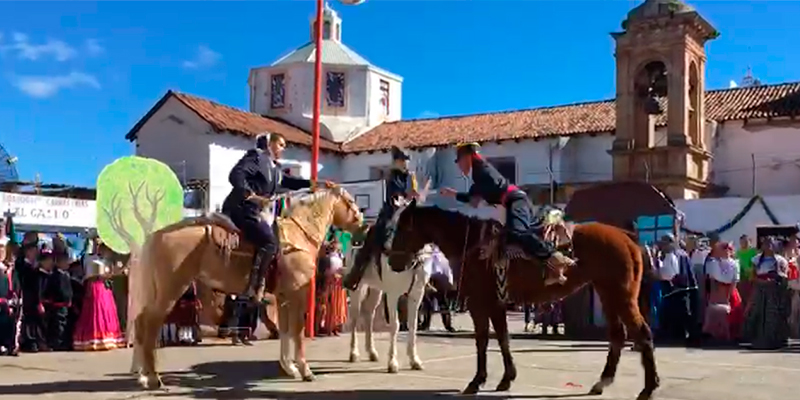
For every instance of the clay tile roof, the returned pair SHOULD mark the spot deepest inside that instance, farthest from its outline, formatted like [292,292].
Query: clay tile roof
[586,118]
[227,119]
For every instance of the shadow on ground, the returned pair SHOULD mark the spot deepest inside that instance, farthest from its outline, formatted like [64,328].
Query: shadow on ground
[237,380]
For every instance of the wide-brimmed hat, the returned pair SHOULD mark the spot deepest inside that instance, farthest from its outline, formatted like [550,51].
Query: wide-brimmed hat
[466,149]
[400,154]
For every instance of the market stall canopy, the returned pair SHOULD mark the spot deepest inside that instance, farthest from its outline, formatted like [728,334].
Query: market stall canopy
[618,204]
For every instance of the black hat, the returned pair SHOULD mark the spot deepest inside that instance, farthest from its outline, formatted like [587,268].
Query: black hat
[399,154]
[465,149]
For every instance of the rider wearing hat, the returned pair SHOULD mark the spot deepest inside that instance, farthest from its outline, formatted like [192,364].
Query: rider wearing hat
[400,183]
[256,177]
[491,186]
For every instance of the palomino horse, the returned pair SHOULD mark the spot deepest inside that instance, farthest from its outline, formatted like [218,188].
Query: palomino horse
[394,284]
[607,257]
[208,249]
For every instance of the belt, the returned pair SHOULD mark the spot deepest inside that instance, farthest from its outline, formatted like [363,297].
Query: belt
[509,189]
[56,304]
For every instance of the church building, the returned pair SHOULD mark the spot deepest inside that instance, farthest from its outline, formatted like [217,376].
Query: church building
[664,127]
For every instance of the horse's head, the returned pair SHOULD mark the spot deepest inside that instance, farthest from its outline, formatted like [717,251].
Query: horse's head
[346,214]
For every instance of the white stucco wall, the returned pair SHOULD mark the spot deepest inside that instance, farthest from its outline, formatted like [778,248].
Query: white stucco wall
[176,136]
[362,101]
[777,158]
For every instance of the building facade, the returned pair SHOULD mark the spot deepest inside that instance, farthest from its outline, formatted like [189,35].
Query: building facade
[664,127]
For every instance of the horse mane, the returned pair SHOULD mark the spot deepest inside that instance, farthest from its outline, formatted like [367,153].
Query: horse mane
[307,198]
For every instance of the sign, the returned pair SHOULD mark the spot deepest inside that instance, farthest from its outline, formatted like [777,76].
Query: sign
[34,210]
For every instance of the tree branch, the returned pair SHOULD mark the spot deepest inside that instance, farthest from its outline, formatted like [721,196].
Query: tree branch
[115,220]
[154,201]
[146,228]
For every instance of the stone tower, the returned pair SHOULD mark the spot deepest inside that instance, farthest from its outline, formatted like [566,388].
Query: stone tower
[660,79]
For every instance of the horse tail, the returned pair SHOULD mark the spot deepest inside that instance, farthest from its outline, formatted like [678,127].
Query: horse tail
[645,282]
[142,281]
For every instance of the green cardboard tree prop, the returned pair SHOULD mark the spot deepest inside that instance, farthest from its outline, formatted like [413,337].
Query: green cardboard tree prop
[135,197]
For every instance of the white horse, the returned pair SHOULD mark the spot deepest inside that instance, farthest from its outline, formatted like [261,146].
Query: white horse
[368,295]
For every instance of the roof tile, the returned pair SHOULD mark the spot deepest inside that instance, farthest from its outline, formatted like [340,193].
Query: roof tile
[228,119]
[585,118]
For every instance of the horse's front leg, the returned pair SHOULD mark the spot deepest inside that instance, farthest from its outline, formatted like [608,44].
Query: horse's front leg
[354,312]
[481,323]
[285,335]
[500,323]
[394,326]
[414,301]
[371,304]
[298,328]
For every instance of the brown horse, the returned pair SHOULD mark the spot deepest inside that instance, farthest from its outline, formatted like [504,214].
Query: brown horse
[208,249]
[607,257]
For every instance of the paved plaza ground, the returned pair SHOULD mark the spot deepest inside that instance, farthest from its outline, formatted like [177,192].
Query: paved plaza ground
[547,370]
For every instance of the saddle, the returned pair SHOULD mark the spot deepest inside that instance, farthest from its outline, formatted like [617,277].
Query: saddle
[230,241]
[499,253]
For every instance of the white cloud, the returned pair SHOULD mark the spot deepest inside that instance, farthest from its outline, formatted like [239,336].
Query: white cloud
[21,44]
[41,87]
[204,58]
[733,84]
[427,114]
[93,47]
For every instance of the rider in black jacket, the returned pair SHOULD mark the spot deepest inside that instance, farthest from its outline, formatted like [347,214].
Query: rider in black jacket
[400,183]
[258,176]
[491,186]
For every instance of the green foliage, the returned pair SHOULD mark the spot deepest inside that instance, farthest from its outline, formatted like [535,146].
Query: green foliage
[135,197]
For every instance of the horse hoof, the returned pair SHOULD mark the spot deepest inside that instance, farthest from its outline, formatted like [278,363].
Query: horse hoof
[309,378]
[150,382]
[472,388]
[353,357]
[596,390]
[416,366]
[503,386]
[644,395]
[373,357]
[393,367]
[290,370]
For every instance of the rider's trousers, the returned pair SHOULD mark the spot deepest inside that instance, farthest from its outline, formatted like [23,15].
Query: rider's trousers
[519,225]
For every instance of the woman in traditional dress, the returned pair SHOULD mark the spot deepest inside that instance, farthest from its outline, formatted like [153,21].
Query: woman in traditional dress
[791,252]
[336,298]
[98,325]
[766,319]
[723,273]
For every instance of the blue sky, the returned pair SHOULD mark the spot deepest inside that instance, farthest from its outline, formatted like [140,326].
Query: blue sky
[76,76]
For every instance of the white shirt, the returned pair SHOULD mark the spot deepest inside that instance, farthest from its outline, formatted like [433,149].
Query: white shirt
[777,264]
[724,270]
[669,267]
[336,262]
[437,263]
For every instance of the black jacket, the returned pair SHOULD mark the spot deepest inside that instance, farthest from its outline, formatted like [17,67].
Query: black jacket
[257,173]
[397,185]
[488,183]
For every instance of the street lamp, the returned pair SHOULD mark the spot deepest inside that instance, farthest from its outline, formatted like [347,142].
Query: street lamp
[318,35]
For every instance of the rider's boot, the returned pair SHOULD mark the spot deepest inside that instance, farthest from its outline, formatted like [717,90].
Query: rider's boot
[363,258]
[256,280]
[555,266]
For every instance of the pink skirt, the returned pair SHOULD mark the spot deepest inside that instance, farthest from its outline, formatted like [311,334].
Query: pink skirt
[98,326]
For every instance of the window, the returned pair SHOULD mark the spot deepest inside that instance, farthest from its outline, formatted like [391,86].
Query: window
[384,85]
[376,173]
[507,166]
[277,91]
[334,89]
[652,228]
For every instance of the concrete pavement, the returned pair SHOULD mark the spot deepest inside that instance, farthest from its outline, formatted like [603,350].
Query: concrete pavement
[547,369]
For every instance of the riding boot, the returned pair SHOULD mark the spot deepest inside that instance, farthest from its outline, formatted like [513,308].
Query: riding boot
[256,280]
[555,266]
[363,258]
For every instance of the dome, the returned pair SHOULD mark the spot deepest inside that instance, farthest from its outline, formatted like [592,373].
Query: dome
[657,8]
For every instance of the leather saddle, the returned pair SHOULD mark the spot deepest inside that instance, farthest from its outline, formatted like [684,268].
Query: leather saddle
[555,231]
[231,243]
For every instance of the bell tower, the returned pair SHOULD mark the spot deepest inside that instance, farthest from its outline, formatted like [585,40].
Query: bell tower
[660,78]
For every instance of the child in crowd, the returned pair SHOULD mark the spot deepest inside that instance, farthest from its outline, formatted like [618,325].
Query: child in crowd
[57,299]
